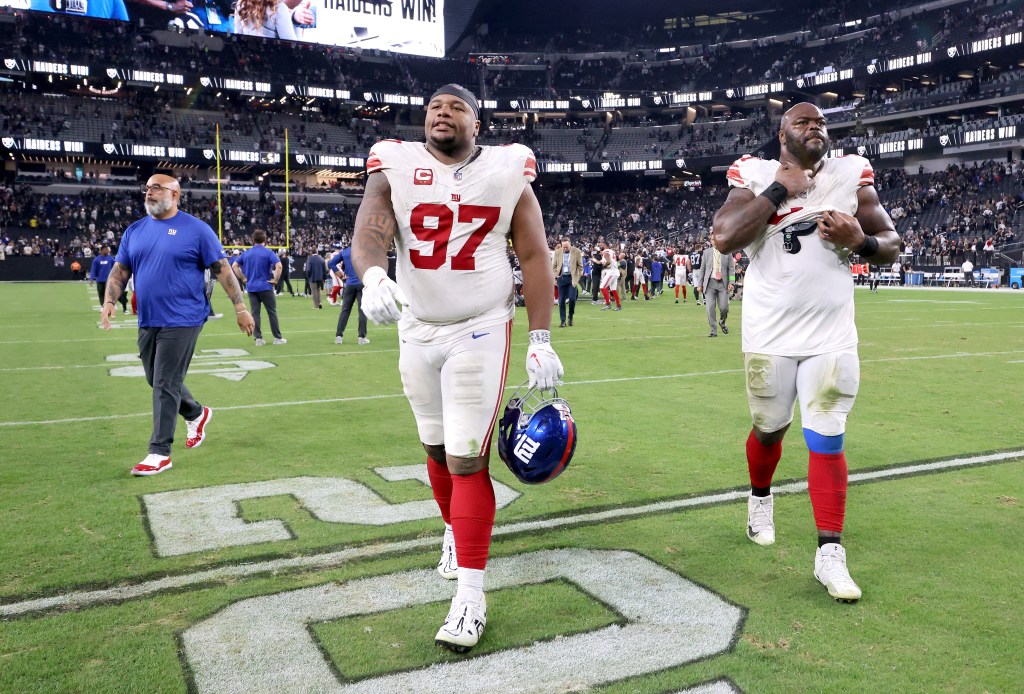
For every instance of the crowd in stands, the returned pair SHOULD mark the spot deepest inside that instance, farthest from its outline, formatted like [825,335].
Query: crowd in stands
[974,211]
[709,57]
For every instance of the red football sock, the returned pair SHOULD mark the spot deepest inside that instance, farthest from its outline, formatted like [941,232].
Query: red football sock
[826,482]
[441,484]
[615,295]
[677,291]
[684,291]
[335,290]
[604,293]
[646,295]
[472,513]
[762,461]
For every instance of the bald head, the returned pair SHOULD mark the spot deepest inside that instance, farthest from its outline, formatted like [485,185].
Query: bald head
[162,193]
[803,134]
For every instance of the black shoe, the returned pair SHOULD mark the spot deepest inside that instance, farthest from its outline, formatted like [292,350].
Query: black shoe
[570,322]
[562,324]
[725,330]
[712,334]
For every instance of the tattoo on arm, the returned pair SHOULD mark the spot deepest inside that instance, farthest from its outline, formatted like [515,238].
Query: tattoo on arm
[115,283]
[375,225]
[231,288]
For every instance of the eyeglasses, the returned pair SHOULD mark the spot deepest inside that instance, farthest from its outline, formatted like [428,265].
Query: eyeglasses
[155,188]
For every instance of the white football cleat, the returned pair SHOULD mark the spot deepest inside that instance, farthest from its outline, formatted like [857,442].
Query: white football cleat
[761,519]
[464,625]
[448,565]
[280,341]
[364,341]
[260,342]
[830,570]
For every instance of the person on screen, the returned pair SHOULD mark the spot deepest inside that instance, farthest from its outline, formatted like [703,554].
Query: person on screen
[99,9]
[274,19]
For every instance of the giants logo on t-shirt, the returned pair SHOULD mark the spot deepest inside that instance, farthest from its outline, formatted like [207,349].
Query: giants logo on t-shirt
[423,177]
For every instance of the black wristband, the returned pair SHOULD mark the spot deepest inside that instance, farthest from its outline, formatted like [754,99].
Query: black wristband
[776,193]
[869,247]
[112,303]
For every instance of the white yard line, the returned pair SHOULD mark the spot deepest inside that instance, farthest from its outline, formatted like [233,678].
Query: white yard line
[360,398]
[88,598]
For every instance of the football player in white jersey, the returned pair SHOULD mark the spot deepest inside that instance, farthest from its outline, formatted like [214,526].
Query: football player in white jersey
[450,205]
[681,263]
[609,279]
[800,219]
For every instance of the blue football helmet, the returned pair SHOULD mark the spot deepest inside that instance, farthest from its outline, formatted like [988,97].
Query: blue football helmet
[536,435]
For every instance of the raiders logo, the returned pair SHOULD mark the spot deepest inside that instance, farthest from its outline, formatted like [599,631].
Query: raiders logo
[514,104]
[800,82]
[605,166]
[862,150]
[205,81]
[10,63]
[657,101]
[586,103]
[944,140]
[8,142]
[208,153]
[368,96]
[729,93]
[112,73]
[300,158]
[289,88]
[108,147]
[681,163]
[871,69]
[952,51]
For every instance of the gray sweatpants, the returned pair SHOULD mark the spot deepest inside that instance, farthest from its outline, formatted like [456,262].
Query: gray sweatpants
[166,354]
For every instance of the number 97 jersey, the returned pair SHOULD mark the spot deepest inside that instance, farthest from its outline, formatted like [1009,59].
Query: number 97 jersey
[453,223]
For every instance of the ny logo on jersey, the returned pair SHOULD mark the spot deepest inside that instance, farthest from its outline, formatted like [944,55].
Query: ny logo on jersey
[172,232]
[423,177]
[456,197]
[525,448]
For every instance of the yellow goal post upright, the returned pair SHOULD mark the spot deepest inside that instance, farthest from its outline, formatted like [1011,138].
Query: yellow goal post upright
[287,200]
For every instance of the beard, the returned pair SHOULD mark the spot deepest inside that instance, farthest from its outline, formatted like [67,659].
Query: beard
[157,208]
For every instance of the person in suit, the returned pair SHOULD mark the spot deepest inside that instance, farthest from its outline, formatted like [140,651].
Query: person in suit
[716,269]
[316,272]
[567,264]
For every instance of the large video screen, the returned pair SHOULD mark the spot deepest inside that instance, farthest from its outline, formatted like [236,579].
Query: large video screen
[402,26]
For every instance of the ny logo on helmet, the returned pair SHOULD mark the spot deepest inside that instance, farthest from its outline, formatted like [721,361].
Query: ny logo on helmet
[525,448]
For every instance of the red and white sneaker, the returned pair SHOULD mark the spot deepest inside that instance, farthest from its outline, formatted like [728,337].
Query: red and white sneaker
[152,464]
[197,428]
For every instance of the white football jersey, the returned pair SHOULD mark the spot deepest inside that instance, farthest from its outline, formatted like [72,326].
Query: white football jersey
[453,223]
[680,262]
[798,297]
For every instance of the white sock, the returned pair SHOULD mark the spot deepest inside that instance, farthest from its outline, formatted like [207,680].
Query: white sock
[471,585]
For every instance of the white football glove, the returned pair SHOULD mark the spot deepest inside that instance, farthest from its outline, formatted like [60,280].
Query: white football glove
[381,297]
[542,364]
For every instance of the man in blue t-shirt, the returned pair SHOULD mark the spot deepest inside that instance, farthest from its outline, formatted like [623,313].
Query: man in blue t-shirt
[341,263]
[167,253]
[99,271]
[260,269]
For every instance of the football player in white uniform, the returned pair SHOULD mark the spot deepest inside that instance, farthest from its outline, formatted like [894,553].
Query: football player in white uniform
[800,219]
[681,263]
[450,205]
[609,279]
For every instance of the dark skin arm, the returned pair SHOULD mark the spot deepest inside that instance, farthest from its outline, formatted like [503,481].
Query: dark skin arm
[531,247]
[116,282]
[744,215]
[375,225]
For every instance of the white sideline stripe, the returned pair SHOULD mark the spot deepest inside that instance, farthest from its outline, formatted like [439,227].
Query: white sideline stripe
[360,398]
[86,598]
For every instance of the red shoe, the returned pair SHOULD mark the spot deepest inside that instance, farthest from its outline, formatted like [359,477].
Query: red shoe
[197,428]
[153,464]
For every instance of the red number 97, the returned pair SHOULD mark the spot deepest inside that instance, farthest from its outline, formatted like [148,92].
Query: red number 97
[439,235]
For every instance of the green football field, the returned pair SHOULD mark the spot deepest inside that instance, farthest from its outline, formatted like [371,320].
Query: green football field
[294,550]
